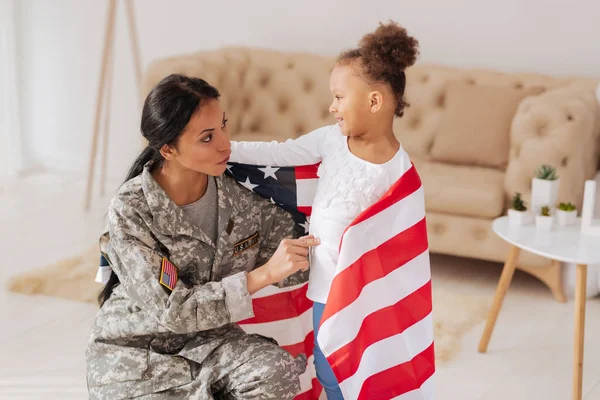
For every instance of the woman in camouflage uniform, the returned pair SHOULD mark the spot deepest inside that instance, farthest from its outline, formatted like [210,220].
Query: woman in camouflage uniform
[188,246]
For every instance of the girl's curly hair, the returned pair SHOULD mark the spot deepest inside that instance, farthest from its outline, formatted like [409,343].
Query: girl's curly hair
[383,55]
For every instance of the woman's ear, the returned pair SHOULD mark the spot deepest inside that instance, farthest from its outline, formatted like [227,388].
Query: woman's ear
[168,152]
[375,101]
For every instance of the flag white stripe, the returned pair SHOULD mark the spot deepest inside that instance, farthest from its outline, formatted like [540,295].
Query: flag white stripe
[271,290]
[378,229]
[305,191]
[343,326]
[378,357]
[426,392]
[308,375]
[287,331]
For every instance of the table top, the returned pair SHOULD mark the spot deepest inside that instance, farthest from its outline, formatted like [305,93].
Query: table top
[565,244]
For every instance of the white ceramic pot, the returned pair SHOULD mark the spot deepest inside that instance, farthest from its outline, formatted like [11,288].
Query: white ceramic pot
[544,223]
[566,218]
[543,192]
[518,218]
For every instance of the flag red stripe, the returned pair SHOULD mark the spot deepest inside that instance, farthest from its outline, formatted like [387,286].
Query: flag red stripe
[348,284]
[407,184]
[305,396]
[306,171]
[381,324]
[305,210]
[400,379]
[279,306]
[317,389]
[306,347]
[173,274]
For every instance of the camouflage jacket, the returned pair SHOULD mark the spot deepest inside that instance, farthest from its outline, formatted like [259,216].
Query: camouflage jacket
[144,332]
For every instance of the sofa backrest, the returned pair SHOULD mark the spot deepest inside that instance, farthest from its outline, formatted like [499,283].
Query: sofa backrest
[282,95]
[427,88]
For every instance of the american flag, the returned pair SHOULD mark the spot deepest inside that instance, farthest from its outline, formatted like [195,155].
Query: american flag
[168,274]
[377,328]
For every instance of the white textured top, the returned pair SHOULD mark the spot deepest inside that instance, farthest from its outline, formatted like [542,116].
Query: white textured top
[347,186]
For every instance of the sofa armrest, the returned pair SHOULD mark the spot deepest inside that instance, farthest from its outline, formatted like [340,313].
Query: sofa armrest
[561,128]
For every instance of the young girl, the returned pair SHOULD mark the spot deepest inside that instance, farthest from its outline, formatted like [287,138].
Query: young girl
[360,156]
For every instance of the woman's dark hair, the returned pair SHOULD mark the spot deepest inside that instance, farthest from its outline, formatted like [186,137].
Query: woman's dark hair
[167,111]
[383,56]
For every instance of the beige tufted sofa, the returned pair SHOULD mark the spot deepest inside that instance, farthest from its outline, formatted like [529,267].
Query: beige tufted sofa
[276,95]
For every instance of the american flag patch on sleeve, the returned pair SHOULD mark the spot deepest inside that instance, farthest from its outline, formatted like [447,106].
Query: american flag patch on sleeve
[168,274]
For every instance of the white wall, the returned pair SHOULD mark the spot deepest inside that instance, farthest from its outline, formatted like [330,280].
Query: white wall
[61,46]
[11,161]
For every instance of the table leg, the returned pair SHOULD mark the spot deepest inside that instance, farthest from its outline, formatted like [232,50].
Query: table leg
[580,297]
[503,284]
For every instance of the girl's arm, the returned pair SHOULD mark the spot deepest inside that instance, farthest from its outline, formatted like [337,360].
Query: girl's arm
[305,150]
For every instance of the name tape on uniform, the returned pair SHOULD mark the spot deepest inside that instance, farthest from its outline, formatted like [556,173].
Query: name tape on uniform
[245,244]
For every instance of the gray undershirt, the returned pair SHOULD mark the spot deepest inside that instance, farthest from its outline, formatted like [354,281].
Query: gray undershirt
[204,211]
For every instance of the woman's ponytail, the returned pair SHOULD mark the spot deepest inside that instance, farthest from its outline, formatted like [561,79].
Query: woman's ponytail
[147,155]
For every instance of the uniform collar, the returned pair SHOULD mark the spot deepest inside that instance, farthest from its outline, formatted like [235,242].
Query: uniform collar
[169,219]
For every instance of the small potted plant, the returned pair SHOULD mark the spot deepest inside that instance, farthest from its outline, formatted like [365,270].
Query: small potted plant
[544,219]
[517,213]
[544,188]
[566,214]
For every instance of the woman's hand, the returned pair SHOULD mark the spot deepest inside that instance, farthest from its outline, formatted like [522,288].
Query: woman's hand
[290,257]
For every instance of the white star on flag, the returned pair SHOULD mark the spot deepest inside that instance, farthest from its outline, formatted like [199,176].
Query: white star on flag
[269,171]
[305,225]
[248,184]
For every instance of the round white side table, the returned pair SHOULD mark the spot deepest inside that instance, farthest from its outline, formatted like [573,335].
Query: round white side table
[565,244]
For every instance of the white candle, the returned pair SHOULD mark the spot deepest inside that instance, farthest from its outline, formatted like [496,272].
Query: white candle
[589,199]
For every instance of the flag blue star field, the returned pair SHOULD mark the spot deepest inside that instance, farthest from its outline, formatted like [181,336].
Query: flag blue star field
[292,188]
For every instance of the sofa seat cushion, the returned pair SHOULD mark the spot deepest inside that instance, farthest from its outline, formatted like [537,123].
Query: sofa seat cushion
[462,190]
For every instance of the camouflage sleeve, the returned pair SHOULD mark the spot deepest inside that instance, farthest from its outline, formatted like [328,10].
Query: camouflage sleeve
[136,258]
[276,225]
